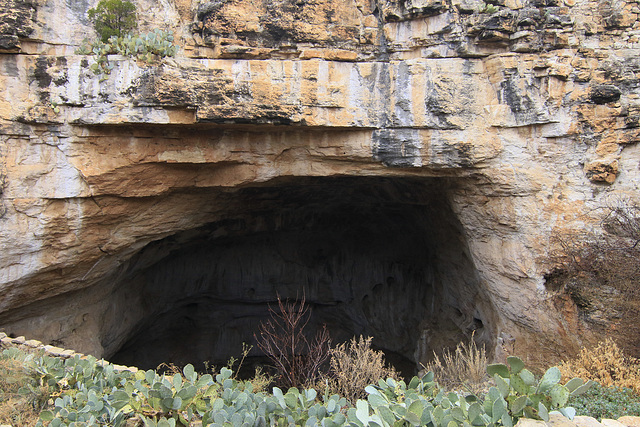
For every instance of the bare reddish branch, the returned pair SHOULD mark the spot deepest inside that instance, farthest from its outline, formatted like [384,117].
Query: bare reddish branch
[283,339]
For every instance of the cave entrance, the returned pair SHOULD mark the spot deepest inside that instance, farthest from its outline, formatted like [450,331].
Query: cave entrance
[380,257]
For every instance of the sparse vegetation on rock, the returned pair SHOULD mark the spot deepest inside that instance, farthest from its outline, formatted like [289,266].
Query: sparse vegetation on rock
[147,48]
[114,21]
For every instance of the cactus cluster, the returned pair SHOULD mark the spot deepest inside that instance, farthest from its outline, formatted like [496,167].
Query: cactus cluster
[147,48]
[238,406]
[86,391]
[422,403]
[518,394]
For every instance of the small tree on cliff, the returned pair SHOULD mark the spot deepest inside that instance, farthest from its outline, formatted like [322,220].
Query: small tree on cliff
[113,18]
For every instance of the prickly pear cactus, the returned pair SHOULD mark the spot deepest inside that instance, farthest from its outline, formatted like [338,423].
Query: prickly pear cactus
[518,394]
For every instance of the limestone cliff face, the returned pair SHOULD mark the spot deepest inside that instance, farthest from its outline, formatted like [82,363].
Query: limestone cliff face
[404,163]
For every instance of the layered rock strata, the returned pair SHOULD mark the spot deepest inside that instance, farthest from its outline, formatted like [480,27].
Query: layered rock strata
[405,165]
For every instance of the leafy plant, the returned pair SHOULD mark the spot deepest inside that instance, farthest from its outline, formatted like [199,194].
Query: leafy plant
[517,393]
[100,394]
[283,339]
[422,402]
[113,18]
[237,406]
[394,402]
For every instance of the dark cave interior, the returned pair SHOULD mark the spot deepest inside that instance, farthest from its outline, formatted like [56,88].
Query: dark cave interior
[380,257]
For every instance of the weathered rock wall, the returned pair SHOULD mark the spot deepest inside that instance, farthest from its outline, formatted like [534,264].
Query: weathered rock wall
[523,115]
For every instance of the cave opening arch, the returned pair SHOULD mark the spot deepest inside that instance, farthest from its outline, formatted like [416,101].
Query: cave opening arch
[381,257]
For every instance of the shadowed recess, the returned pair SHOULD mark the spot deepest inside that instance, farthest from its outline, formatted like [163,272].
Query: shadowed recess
[382,257]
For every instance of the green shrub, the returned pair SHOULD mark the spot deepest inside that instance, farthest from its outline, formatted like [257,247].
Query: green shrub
[113,18]
[606,402]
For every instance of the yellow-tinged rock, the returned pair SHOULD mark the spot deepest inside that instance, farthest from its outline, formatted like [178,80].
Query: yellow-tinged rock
[602,171]
[608,145]
[559,420]
[528,422]
[492,110]
[630,421]
[584,421]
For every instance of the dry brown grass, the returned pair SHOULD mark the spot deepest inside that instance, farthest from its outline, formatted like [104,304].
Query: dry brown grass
[19,407]
[463,369]
[261,380]
[606,364]
[353,366]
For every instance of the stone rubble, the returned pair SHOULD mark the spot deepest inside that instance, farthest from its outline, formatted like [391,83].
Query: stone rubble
[49,350]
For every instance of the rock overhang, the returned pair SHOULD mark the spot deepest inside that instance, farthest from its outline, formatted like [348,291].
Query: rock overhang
[371,256]
[532,114]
